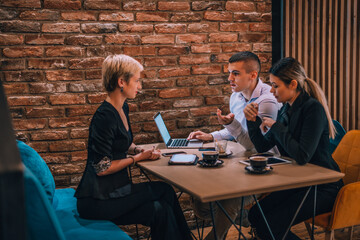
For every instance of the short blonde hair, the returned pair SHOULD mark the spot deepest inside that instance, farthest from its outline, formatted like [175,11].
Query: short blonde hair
[118,66]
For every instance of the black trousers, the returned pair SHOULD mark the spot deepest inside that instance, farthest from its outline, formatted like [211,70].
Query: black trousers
[279,208]
[152,204]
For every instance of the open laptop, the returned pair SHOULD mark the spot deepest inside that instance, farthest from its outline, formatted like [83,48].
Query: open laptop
[174,143]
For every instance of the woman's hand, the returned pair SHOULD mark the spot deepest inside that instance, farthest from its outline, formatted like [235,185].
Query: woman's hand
[251,111]
[150,154]
[268,122]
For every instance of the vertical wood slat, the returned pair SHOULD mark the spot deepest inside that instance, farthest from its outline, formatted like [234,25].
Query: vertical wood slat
[324,35]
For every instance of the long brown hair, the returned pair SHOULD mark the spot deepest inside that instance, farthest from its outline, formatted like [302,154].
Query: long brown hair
[288,69]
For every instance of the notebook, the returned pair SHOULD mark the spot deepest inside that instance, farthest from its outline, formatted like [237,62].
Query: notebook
[174,143]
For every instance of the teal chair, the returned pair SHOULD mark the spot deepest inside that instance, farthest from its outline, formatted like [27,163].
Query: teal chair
[340,132]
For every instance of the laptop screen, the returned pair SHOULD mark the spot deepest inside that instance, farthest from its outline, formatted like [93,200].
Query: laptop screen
[162,128]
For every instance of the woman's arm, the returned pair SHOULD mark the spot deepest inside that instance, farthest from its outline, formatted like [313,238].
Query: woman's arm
[133,149]
[261,142]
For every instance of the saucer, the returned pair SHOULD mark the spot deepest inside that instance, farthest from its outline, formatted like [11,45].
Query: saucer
[217,163]
[226,154]
[252,170]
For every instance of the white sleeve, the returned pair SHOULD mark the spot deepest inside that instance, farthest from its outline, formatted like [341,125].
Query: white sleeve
[240,134]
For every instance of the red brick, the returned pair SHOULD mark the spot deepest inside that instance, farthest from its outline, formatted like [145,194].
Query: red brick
[117,17]
[102,4]
[264,57]
[69,122]
[191,81]
[152,17]
[263,7]
[44,39]
[186,17]
[61,27]
[64,75]
[16,113]
[97,97]
[173,6]
[21,3]
[252,37]
[175,114]
[79,16]
[86,63]
[15,88]
[23,76]
[47,87]
[39,147]
[203,27]
[99,27]
[174,93]
[63,4]
[266,17]
[236,47]
[226,90]
[84,40]
[190,102]
[218,16]
[66,146]
[18,52]
[19,26]
[233,27]
[171,72]
[66,99]
[214,69]
[9,39]
[240,6]
[142,28]
[93,74]
[29,124]
[224,57]
[223,37]
[202,5]
[205,48]
[247,17]
[214,80]
[217,100]
[151,126]
[140,51]
[64,51]
[12,64]
[173,50]
[157,39]
[148,74]
[60,180]
[203,111]
[194,59]
[139,6]
[55,158]
[79,133]
[78,156]
[49,135]
[154,105]
[262,47]
[122,39]
[39,15]
[170,28]
[81,110]
[260,27]
[205,91]
[141,117]
[144,138]
[191,38]
[8,14]
[85,87]
[159,61]
[96,51]
[34,112]
[157,83]
[46,64]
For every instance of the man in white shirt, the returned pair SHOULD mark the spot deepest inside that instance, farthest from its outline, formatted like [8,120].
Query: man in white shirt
[244,69]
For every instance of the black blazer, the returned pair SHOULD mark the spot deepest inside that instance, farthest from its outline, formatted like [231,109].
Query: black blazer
[300,132]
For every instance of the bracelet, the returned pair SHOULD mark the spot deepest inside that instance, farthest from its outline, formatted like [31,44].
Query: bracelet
[133,163]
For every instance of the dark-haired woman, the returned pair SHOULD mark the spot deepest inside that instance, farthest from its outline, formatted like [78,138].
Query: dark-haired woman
[301,131]
[106,191]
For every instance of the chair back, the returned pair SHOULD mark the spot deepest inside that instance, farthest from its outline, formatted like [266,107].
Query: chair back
[340,132]
[347,156]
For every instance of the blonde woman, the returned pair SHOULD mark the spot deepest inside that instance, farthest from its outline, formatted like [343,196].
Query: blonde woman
[301,131]
[105,190]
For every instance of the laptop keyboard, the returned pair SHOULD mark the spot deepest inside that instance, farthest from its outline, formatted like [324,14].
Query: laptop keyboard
[179,143]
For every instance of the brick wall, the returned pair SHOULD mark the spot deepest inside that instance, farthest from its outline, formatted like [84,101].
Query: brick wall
[52,51]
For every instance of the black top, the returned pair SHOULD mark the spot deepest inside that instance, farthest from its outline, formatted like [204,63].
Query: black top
[300,132]
[108,140]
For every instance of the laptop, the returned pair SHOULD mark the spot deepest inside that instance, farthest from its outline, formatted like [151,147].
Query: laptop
[174,143]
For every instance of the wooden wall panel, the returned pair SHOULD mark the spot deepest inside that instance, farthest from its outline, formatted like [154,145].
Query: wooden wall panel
[324,35]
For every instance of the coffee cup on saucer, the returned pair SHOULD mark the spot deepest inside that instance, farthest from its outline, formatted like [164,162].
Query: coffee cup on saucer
[210,157]
[258,163]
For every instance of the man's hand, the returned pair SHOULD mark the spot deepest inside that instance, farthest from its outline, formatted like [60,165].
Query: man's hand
[251,111]
[201,136]
[224,120]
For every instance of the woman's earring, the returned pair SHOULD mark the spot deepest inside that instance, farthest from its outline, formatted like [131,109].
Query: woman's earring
[121,89]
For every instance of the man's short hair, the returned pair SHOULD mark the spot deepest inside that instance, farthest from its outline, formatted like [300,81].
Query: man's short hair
[251,60]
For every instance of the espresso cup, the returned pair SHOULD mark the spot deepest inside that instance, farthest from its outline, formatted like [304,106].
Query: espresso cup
[258,162]
[210,157]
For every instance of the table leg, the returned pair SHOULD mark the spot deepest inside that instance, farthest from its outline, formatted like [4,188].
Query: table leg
[262,213]
[241,215]
[213,219]
[314,213]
